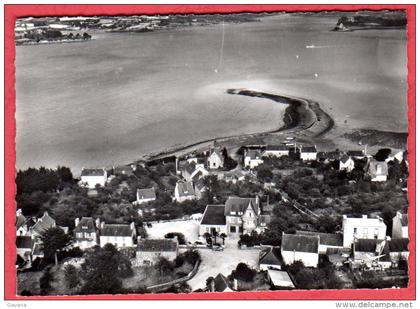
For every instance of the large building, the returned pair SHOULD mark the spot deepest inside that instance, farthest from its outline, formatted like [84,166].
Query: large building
[184,191]
[215,160]
[253,158]
[213,220]
[276,151]
[242,214]
[362,228]
[145,195]
[119,235]
[303,248]
[85,232]
[93,177]
[308,153]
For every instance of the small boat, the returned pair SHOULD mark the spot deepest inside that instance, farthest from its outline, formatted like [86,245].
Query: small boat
[310,46]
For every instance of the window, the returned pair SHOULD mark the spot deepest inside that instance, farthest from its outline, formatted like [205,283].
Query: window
[355,230]
[233,229]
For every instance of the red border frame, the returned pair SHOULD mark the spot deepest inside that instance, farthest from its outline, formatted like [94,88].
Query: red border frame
[15,11]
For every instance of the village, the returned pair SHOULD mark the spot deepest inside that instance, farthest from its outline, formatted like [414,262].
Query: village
[262,217]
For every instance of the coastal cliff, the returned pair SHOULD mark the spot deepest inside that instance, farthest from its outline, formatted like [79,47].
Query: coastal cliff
[372,20]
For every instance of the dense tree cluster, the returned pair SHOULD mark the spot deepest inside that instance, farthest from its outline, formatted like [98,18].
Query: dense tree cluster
[103,270]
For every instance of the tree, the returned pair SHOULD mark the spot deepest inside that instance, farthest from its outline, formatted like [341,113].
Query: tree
[207,236]
[264,173]
[163,265]
[65,174]
[223,236]
[382,154]
[244,273]
[192,256]
[53,241]
[215,234]
[210,284]
[103,270]
[71,276]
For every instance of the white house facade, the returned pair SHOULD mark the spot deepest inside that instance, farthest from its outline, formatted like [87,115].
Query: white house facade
[252,159]
[92,177]
[213,220]
[119,235]
[400,226]
[362,228]
[308,153]
[302,248]
[215,160]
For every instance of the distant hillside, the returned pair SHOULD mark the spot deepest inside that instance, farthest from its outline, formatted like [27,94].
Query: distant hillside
[372,20]
[379,138]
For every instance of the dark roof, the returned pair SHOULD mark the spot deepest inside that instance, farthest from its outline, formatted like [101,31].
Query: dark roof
[308,149]
[355,153]
[270,256]
[122,230]
[43,223]
[300,243]
[398,245]
[253,154]
[189,167]
[366,245]
[147,193]
[200,185]
[86,224]
[218,153]
[37,250]
[220,283]
[344,158]
[20,221]
[93,172]
[185,188]
[240,204]
[23,242]
[214,215]
[277,148]
[328,239]
[157,245]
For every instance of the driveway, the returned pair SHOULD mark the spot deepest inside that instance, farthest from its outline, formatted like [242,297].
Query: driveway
[215,262]
[189,228]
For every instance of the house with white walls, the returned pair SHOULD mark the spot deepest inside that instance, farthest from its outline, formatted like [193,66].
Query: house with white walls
[304,248]
[90,178]
[362,228]
[252,158]
[308,153]
[400,226]
[215,160]
[119,235]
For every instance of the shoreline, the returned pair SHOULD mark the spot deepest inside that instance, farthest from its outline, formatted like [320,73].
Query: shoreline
[302,118]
